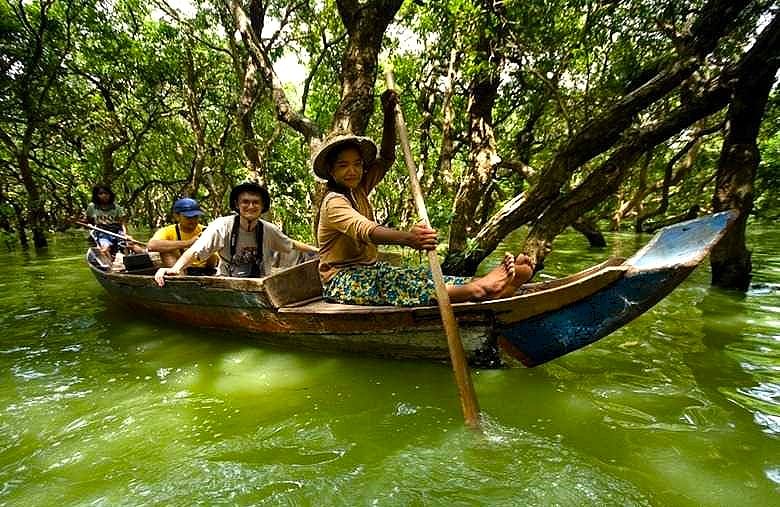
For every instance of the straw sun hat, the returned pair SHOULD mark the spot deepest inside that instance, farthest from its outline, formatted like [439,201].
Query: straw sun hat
[319,164]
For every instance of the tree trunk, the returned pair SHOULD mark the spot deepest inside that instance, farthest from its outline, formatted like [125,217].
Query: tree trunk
[482,161]
[635,202]
[366,22]
[35,208]
[108,167]
[587,227]
[603,132]
[686,157]
[448,149]
[426,103]
[284,110]
[245,110]
[606,178]
[196,123]
[739,158]
[22,225]
[483,156]
[246,72]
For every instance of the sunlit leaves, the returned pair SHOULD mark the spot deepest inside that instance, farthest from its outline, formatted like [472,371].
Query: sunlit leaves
[112,76]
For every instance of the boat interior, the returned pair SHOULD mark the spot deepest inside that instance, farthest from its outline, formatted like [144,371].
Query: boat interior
[297,289]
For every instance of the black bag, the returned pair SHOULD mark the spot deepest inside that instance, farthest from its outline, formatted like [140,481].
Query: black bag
[134,262]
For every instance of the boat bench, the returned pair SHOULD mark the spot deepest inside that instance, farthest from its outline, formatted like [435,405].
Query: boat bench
[301,284]
[295,284]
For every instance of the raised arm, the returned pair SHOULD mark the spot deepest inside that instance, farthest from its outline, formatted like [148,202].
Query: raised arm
[378,168]
[387,148]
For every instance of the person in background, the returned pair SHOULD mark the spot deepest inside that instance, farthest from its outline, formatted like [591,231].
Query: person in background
[244,242]
[105,213]
[348,235]
[172,240]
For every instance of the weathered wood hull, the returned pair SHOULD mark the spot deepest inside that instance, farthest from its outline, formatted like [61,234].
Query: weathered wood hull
[546,320]
[386,331]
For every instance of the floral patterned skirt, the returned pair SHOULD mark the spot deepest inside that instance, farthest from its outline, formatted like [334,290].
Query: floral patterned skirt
[383,284]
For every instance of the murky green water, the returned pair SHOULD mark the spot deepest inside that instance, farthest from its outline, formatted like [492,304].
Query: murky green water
[101,407]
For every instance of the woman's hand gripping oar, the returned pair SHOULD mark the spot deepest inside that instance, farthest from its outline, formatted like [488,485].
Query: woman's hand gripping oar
[468,398]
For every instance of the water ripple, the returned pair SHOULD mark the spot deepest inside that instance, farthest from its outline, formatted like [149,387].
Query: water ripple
[763,289]
[34,312]
[773,474]
[770,423]
[14,350]
[768,392]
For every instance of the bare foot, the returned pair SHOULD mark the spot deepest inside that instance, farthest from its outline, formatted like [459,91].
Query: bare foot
[522,271]
[497,280]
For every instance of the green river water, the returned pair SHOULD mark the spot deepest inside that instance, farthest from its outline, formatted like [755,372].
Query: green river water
[99,406]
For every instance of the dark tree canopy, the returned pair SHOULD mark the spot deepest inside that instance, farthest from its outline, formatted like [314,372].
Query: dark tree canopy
[539,114]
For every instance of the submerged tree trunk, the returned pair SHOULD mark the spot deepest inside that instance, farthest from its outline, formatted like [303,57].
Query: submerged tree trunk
[21,225]
[739,158]
[37,213]
[588,228]
[35,204]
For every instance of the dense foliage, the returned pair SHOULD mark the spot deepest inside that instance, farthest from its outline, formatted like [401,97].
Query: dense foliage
[159,102]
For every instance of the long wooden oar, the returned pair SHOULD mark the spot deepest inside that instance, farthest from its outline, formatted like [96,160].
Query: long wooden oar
[120,236]
[468,398]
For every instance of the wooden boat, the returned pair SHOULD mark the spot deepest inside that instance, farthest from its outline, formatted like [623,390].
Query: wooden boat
[541,322]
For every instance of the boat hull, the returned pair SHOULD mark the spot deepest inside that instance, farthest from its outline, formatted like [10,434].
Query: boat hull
[411,334]
[587,321]
[544,321]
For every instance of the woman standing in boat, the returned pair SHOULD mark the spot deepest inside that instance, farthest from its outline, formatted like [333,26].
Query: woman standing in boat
[244,242]
[348,234]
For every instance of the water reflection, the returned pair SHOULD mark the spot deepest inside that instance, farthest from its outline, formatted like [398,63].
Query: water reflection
[738,331]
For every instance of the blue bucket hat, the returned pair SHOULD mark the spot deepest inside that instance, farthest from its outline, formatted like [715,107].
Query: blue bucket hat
[187,207]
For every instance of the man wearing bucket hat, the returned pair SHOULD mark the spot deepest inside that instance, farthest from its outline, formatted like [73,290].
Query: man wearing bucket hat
[171,241]
[348,235]
[243,242]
